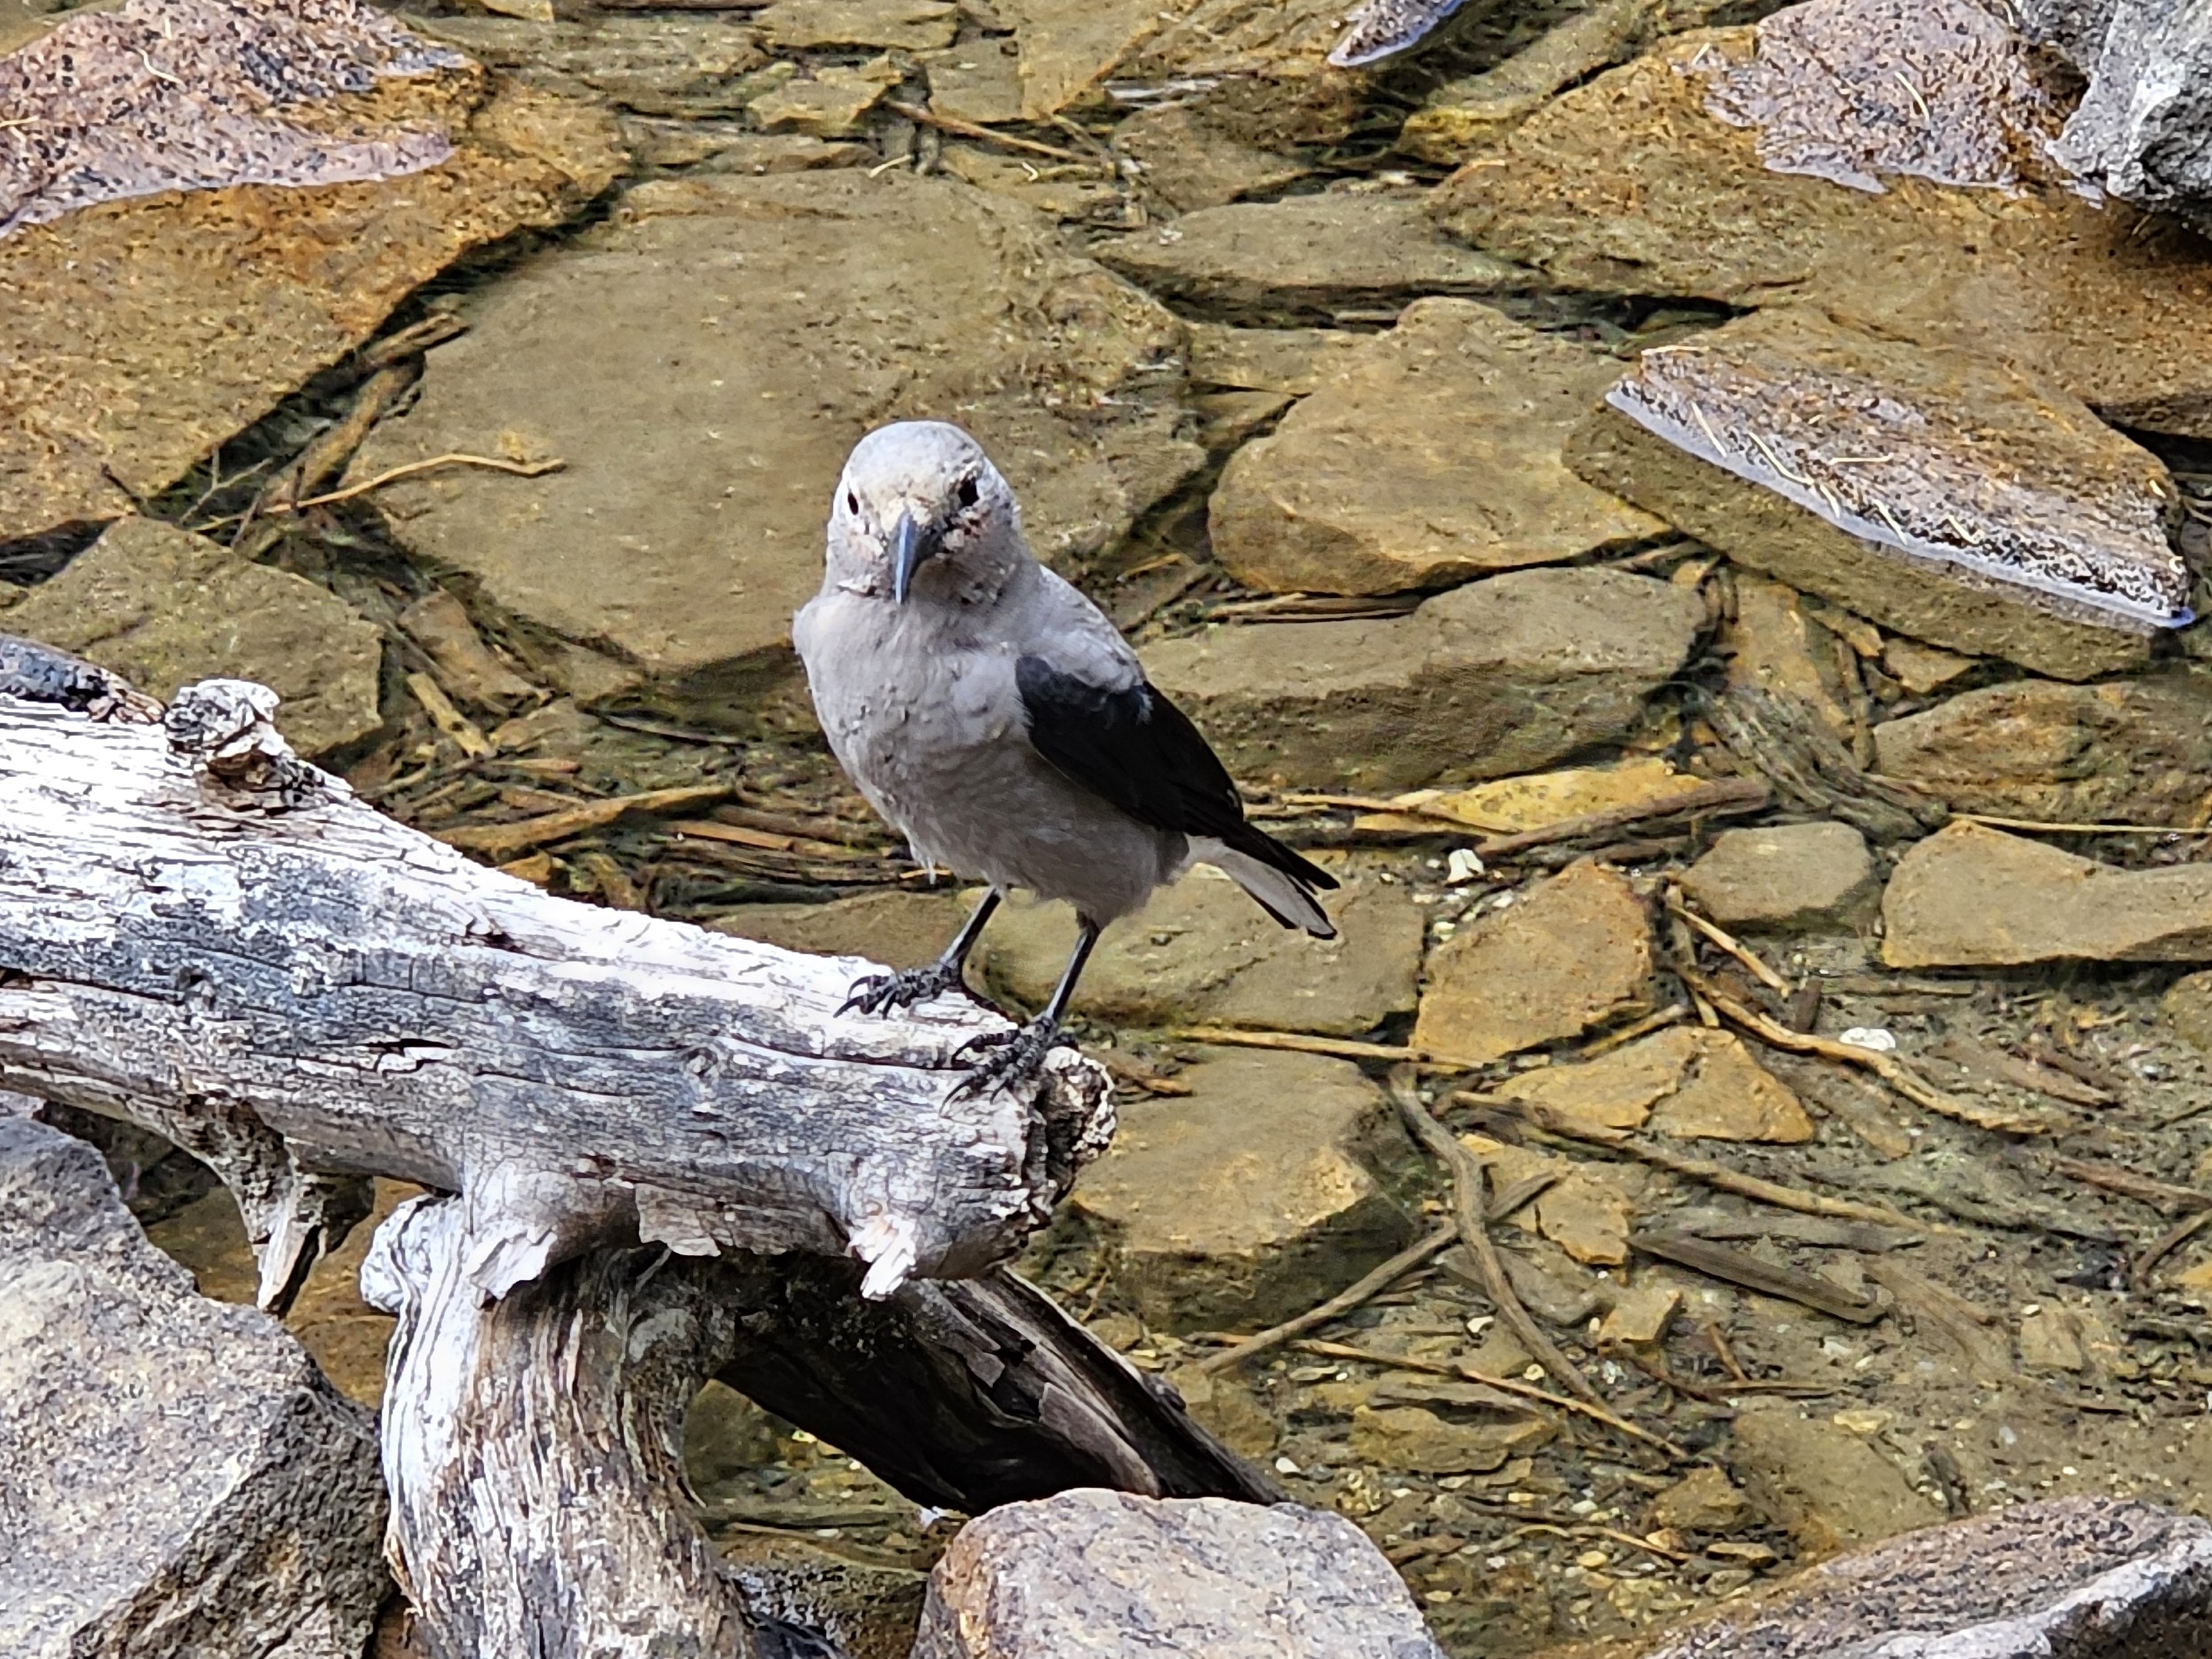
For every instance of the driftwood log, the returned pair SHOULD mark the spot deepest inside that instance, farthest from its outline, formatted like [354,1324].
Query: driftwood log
[662,1154]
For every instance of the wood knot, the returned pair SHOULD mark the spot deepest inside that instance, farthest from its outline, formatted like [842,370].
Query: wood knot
[226,729]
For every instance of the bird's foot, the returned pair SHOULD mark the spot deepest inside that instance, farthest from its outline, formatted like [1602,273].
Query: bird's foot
[1007,1057]
[878,993]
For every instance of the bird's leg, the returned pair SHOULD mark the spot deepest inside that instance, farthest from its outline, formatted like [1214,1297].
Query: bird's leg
[1014,1055]
[878,992]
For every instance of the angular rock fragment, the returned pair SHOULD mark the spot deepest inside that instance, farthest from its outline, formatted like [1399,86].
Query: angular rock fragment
[980,81]
[1586,1211]
[1430,458]
[2128,751]
[1632,184]
[1829,1487]
[829,102]
[914,25]
[164,608]
[439,624]
[721,345]
[1639,1316]
[1202,952]
[1687,1083]
[704,65]
[1107,1572]
[896,928]
[1784,877]
[1190,164]
[2188,1007]
[1568,953]
[1972,897]
[1499,677]
[143,332]
[1947,496]
[1538,800]
[1306,255]
[1461,117]
[1232,1207]
[1293,361]
[1774,646]
[1704,1500]
[172,1465]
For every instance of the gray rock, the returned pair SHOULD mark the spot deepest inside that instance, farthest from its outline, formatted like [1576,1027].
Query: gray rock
[164,608]
[1240,1204]
[1202,952]
[1308,256]
[980,81]
[2132,751]
[719,348]
[1119,1576]
[2144,130]
[1292,361]
[178,1476]
[2076,28]
[1499,677]
[1784,877]
[1429,457]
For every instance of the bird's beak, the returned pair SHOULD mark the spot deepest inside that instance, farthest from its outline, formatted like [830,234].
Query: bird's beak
[910,545]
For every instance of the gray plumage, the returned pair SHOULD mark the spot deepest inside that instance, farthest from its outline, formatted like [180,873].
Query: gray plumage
[995,717]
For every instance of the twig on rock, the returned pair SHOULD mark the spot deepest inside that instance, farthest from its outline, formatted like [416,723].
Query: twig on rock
[1337,1306]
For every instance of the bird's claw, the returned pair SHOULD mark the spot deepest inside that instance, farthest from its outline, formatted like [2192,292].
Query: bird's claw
[1007,1057]
[876,993]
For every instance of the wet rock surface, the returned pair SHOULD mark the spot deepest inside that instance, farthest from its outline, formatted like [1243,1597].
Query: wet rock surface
[1497,676]
[1826,1484]
[1430,459]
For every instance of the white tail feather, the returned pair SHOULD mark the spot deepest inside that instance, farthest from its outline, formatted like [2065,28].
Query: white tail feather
[1273,891]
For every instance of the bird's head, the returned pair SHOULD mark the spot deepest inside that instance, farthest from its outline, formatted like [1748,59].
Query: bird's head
[921,514]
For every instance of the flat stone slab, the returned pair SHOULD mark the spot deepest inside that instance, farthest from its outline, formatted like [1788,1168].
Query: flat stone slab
[1119,1576]
[704,65]
[1635,182]
[1972,896]
[1430,458]
[720,346]
[1306,255]
[144,331]
[1828,1486]
[1244,1201]
[1860,469]
[1502,676]
[2138,132]
[2067,1578]
[163,608]
[1563,956]
[173,1464]
[1784,877]
[2126,751]
[1688,1082]
[914,25]
[1202,952]
[1461,117]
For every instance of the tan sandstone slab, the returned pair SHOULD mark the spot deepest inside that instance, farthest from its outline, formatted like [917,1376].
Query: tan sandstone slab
[1830,1488]
[1586,1211]
[704,65]
[143,332]
[2130,752]
[1783,878]
[896,927]
[1502,676]
[1688,1083]
[164,608]
[914,25]
[1631,183]
[1430,459]
[1972,896]
[705,361]
[1235,1206]
[1565,955]
[1933,491]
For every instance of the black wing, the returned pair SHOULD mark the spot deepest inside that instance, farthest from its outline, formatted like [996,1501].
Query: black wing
[1137,750]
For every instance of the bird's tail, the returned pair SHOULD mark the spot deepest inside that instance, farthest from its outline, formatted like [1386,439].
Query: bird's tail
[1280,882]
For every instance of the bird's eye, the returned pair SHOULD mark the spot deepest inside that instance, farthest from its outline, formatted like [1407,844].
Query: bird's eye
[852,502]
[967,491]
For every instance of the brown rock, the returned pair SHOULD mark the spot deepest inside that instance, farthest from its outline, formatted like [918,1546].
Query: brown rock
[1685,1082]
[689,557]
[1306,255]
[1972,897]
[1829,1487]
[1084,197]
[1418,1441]
[1567,954]
[1811,451]
[145,331]
[1190,163]
[2051,1339]
[2133,751]
[1728,1096]
[1613,1092]
[1234,1206]
[1463,118]
[1499,677]
[1631,183]
[1202,952]
[2188,1008]
[1290,361]
[700,65]
[913,25]
[1920,668]
[896,928]
[164,608]
[1586,1211]
[1430,458]
[1540,800]
[1639,1316]
[1113,1574]
[828,103]
[1784,877]
[980,81]
[1226,1406]
[1704,1500]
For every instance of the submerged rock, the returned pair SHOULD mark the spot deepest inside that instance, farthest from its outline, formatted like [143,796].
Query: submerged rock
[1499,677]
[144,331]
[1829,1487]
[1785,877]
[694,66]
[1108,1572]
[719,348]
[1935,492]
[164,608]
[1633,183]
[1306,255]
[1971,896]
[1462,117]
[2131,751]
[1240,1204]
[1429,457]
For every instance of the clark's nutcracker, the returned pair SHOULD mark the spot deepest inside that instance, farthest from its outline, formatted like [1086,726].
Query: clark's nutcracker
[994,715]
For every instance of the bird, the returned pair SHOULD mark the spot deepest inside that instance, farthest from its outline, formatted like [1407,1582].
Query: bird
[994,716]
